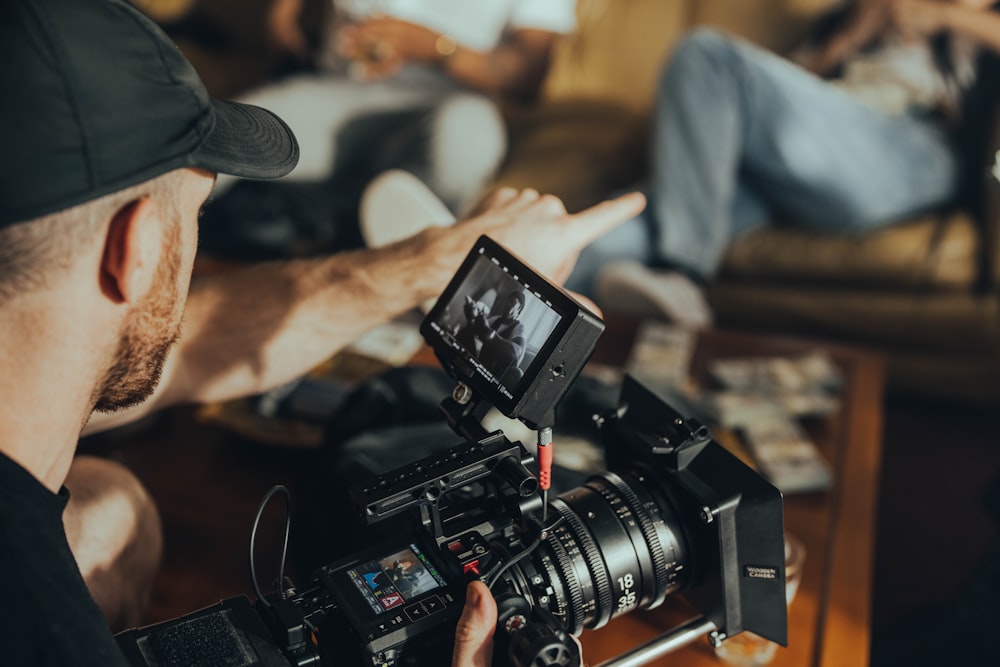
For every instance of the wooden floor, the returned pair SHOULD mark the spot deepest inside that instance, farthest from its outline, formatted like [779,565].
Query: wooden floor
[938,460]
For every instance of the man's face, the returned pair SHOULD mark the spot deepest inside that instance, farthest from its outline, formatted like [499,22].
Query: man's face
[513,307]
[154,325]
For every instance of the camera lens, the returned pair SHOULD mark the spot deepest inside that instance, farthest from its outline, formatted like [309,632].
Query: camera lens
[617,547]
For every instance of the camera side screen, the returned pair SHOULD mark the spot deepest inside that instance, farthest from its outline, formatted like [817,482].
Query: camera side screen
[394,579]
[514,338]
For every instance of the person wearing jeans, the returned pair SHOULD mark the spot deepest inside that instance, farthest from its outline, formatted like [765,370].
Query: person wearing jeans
[744,137]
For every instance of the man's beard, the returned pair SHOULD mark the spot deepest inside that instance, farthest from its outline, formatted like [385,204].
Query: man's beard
[147,336]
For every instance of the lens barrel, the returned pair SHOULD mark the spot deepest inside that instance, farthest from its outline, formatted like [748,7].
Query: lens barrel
[616,547]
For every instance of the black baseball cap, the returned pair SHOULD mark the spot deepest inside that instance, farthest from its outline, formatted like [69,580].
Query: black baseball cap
[94,98]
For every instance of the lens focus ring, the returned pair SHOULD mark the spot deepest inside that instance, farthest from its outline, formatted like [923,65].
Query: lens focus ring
[595,562]
[567,568]
[649,533]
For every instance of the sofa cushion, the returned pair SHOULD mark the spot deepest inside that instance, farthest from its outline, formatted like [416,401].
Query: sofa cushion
[936,343]
[619,46]
[579,151]
[927,253]
[616,51]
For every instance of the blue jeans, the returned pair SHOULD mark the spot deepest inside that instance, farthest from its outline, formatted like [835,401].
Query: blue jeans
[743,137]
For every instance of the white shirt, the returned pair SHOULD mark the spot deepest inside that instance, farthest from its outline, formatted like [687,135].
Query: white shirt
[475,24]
[900,76]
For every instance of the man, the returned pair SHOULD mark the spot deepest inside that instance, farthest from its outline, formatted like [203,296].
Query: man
[111,146]
[499,338]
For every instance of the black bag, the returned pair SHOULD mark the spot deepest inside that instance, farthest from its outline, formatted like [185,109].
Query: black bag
[387,422]
[264,220]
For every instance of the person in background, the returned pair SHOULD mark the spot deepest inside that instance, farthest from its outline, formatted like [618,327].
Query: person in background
[112,147]
[401,84]
[499,338]
[860,133]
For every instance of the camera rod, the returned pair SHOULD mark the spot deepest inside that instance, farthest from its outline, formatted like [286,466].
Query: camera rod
[671,640]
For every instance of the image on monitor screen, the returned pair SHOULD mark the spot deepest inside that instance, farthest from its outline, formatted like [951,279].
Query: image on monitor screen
[498,322]
[393,580]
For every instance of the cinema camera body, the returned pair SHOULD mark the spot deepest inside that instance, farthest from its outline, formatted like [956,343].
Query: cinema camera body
[674,513]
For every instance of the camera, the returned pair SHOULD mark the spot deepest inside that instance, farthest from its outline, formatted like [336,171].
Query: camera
[674,513]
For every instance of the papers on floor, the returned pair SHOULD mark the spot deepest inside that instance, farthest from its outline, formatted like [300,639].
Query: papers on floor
[763,399]
[785,455]
[314,397]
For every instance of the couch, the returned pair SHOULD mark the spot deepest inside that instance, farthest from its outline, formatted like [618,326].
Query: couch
[924,292]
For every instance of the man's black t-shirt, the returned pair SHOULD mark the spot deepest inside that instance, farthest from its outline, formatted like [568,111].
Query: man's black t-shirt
[47,616]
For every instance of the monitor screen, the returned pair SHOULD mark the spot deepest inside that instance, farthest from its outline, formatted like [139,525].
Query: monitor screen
[512,337]
[497,322]
[394,579]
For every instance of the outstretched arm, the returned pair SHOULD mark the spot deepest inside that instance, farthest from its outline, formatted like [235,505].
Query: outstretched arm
[868,19]
[249,330]
[971,18]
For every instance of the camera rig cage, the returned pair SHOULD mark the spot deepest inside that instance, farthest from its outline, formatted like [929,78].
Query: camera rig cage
[675,513]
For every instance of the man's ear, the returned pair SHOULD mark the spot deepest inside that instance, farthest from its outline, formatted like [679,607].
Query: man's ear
[131,251]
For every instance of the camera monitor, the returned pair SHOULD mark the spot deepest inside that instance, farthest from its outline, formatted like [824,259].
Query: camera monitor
[395,579]
[515,339]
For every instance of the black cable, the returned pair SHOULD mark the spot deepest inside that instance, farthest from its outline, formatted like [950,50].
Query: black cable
[542,533]
[284,548]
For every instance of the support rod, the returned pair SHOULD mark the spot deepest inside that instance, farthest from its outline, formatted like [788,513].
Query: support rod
[670,640]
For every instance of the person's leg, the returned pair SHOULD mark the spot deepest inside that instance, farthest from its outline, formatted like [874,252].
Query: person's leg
[633,242]
[397,205]
[343,127]
[452,140]
[468,143]
[732,115]
[455,145]
[695,153]
[114,531]
[318,107]
[630,241]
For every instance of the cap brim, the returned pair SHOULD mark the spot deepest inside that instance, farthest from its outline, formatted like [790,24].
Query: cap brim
[248,142]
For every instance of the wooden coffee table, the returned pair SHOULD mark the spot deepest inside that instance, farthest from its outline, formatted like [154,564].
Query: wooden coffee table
[829,620]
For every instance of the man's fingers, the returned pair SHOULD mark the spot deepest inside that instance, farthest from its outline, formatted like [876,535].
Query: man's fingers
[527,195]
[603,217]
[496,198]
[474,632]
[537,228]
[579,648]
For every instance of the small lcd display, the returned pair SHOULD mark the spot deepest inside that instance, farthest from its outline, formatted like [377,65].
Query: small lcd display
[391,581]
[497,322]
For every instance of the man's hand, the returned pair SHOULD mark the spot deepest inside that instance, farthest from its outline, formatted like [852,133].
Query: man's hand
[538,229]
[381,45]
[868,20]
[474,633]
